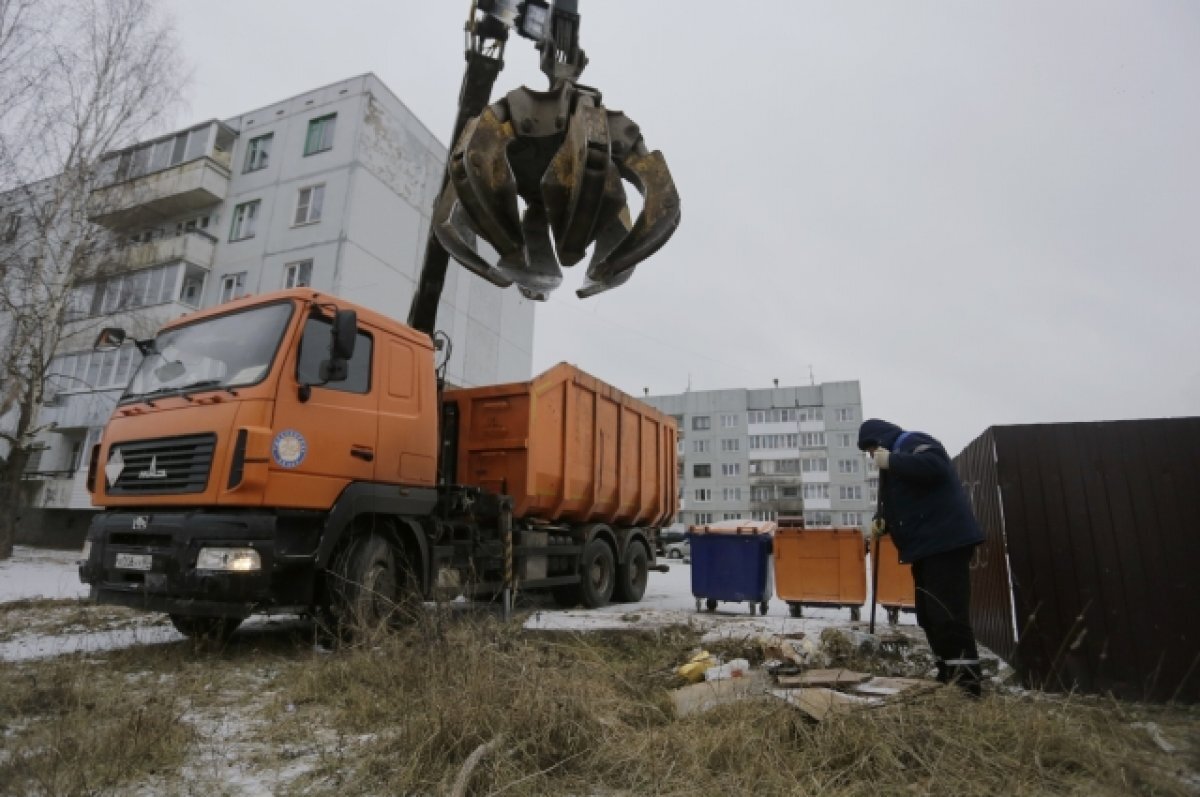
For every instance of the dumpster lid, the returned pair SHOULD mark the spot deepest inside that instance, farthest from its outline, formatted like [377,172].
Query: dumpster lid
[739,526]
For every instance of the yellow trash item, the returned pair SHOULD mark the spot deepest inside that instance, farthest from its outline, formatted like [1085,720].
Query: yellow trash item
[693,671]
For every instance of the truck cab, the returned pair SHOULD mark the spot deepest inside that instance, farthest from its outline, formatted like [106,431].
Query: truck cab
[243,430]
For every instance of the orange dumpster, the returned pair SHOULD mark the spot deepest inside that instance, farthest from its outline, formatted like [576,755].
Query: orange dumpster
[896,589]
[820,567]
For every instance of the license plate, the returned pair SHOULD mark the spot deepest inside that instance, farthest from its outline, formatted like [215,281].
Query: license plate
[134,561]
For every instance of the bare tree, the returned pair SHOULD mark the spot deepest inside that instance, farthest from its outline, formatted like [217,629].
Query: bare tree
[78,78]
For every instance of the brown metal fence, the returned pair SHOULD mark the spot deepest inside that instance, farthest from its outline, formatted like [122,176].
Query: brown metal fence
[1087,580]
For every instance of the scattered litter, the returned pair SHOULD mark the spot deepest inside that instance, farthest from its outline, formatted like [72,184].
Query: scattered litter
[840,643]
[701,697]
[834,678]
[732,669]
[819,703]
[884,686]
[697,665]
[799,649]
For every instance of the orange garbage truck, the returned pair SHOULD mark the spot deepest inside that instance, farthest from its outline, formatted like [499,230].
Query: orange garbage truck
[292,452]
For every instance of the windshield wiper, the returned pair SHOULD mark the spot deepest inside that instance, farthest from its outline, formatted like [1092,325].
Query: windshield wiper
[209,383]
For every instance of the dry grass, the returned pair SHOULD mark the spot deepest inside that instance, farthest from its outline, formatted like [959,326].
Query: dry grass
[472,702]
[68,732]
[588,714]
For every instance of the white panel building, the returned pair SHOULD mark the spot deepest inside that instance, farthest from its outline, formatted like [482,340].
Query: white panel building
[763,454]
[332,188]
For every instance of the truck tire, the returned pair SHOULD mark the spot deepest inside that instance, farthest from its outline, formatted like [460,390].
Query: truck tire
[208,629]
[362,583]
[633,574]
[597,573]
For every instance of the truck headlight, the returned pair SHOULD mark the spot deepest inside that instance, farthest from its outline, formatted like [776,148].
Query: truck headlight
[241,560]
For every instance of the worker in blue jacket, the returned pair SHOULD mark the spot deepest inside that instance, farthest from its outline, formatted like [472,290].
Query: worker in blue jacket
[926,511]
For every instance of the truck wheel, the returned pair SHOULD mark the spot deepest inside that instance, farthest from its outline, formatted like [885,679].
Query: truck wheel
[633,574]
[209,629]
[363,583]
[597,573]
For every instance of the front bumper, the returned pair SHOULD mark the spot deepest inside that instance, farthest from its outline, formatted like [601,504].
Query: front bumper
[169,580]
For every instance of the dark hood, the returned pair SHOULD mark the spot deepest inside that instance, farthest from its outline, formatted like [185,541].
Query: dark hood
[879,433]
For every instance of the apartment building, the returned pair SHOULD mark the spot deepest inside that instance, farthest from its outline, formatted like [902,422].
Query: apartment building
[332,189]
[766,453]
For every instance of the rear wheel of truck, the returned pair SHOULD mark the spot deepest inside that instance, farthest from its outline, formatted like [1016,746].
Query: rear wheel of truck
[206,629]
[362,584]
[597,573]
[633,574]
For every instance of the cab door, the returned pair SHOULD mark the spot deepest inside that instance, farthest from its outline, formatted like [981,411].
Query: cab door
[322,441]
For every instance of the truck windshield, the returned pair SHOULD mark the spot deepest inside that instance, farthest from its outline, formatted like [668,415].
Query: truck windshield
[223,352]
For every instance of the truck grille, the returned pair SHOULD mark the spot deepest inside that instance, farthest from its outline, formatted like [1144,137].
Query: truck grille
[167,466]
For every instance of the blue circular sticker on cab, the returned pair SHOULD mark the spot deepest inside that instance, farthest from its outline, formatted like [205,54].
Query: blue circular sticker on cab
[288,448]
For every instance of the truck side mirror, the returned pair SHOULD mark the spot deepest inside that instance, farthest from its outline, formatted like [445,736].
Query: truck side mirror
[342,337]
[110,338]
[345,334]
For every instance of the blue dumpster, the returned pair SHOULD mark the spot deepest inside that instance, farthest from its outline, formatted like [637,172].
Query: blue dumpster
[731,563]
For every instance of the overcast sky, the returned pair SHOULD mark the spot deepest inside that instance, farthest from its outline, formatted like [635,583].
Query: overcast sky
[985,212]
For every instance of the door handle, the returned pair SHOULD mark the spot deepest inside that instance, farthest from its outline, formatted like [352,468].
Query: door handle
[362,452]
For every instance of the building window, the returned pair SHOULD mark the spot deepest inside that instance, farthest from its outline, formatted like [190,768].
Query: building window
[245,218]
[814,465]
[93,370]
[730,516]
[852,519]
[818,519]
[701,423]
[298,274]
[812,439]
[850,492]
[233,286]
[702,471]
[845,413]
[703,518]
[730,444]
[258,151]
[815,491]
[308,205]
[731,469]
[701,446]
[762,514]
[703,495]
[766,493]
[845,439]
[729,421]
[320,134]
[847,466]
[731,494]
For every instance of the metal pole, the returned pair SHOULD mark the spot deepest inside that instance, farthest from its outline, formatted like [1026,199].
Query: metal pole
[878,528]
[506,528]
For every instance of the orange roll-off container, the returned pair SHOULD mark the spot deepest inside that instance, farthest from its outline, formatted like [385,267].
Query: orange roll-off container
[896,588]
[820,567]
[568,447]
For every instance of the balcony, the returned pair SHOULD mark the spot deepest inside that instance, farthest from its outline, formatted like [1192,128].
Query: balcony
[196,247]
[182,173]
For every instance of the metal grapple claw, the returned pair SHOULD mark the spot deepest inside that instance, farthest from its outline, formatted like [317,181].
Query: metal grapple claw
[564,155]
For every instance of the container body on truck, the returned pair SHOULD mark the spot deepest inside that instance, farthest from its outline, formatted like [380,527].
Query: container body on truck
[292,452]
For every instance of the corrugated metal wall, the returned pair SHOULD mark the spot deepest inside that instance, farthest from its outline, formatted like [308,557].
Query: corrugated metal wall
[1101,524]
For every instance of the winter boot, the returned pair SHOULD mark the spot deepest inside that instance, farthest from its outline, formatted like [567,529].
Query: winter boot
[966,674]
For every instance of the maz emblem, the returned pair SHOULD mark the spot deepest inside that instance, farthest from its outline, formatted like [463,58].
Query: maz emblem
[140,522]
[152,472]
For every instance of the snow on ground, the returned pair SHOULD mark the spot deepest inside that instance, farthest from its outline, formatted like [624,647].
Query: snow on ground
[669,601]
[39,573]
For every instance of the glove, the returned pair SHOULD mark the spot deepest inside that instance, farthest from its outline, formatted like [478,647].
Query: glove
[878,528]
[880,456]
